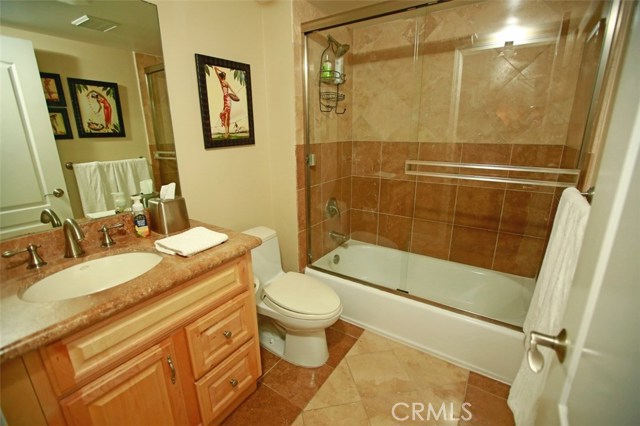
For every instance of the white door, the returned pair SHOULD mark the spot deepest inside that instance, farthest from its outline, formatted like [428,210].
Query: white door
[598,383]
[29,162]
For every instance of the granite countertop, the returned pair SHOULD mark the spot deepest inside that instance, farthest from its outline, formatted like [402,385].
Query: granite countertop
[25,326]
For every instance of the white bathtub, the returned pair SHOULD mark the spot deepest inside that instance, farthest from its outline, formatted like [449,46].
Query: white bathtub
[490,349]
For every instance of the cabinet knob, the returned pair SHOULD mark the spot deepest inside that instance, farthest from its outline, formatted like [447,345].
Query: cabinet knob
[233,382]
[227,334]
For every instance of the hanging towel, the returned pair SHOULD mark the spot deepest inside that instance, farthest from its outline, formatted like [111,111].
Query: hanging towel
[549,300]
[128,174]
[95,185]
[191,242]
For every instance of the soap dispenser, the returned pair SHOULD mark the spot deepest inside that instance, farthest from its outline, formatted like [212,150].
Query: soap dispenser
[140,222]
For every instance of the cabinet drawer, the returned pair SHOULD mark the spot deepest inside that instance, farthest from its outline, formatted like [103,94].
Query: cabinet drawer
[224,384]
[74,359]
[216,335]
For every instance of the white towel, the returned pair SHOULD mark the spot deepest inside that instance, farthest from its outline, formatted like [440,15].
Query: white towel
[191,242]
[95,186]
[128,174]
[550,299]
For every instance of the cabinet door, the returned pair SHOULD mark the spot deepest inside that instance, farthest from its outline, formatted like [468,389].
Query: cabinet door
[143,391]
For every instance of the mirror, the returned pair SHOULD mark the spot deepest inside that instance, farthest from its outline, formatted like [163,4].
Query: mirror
[129,55]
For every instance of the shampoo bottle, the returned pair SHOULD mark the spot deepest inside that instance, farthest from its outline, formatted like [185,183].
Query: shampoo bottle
[140,223]
[327,67]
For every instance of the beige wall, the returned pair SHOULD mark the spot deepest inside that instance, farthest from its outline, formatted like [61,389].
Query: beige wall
[91,62]
[245,186]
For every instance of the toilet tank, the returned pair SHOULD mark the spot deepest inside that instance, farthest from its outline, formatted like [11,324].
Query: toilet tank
[266,257]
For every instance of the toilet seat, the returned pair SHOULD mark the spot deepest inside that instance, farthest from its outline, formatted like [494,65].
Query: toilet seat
[299,296]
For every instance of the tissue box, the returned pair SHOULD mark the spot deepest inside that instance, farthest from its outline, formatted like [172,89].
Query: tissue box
[168,216]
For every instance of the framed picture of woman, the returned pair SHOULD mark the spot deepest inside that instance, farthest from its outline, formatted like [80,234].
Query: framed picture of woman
[224,89]
[60,123]
[96,107]
[52,88]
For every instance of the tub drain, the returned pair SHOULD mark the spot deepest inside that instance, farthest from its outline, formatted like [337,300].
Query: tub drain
[336,259]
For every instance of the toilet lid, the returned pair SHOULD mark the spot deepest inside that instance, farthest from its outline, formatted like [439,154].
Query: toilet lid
[302,294]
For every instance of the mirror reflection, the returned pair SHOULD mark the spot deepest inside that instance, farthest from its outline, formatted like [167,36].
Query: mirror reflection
[116,42]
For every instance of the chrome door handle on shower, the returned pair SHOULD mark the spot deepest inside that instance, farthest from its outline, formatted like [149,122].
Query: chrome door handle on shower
[558,343]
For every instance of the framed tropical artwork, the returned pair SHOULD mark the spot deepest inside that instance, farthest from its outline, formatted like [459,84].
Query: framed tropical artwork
[96,107]
[224,89]
[60,123]
[52,88]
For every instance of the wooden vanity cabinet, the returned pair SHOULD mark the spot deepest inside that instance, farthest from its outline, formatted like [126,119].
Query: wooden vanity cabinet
[187,357]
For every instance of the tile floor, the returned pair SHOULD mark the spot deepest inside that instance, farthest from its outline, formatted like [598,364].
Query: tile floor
[365,376]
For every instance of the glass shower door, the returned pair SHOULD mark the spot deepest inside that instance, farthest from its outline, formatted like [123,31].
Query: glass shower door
[164,161]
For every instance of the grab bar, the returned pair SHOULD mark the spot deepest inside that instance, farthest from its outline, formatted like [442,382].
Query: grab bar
[165,155]
[493,167]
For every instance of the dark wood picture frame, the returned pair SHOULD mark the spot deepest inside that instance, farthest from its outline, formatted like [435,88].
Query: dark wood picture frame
[52,88]
[96,107]
[224,89]
[60,124]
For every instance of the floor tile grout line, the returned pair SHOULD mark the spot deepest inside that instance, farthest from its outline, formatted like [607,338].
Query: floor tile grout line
[264,373]
[487,392]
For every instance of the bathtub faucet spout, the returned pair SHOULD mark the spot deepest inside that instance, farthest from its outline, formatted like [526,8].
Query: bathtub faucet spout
[338,237]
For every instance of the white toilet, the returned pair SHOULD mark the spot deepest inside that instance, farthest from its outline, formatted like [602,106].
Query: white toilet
[294,309]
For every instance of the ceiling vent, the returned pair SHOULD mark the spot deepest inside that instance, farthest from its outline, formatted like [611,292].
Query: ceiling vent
[93,23]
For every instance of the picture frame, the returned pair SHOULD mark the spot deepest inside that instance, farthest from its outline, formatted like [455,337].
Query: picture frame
[60,124]
[226,108]
[52,88]
[96,107]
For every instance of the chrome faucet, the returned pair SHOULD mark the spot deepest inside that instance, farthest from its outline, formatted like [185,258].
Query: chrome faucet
[338,237]
[49,216]
[72,235]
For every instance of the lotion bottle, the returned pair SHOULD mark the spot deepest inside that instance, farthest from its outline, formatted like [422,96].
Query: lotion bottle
[140,222]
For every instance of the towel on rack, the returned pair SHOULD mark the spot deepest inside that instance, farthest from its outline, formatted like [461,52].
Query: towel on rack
[129,173]
[191,242]
[95,185]
[550,299]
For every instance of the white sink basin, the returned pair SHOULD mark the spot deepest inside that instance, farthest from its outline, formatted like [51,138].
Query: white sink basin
[91,277]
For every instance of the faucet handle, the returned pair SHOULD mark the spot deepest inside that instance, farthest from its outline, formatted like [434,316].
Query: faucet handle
[35,261]
[107,241]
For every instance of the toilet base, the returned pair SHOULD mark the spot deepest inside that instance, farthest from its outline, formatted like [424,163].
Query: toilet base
[271,337]
[307,349]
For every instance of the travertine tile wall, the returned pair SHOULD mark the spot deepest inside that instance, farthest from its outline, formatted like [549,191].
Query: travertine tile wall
[455,101]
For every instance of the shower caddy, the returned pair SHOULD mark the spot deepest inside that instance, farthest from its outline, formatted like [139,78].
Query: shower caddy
[330,80]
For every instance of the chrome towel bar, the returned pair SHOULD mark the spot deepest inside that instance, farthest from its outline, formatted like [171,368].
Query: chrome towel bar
[409,169]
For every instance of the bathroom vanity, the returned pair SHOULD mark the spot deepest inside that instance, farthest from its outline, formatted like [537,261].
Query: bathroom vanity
[177,345]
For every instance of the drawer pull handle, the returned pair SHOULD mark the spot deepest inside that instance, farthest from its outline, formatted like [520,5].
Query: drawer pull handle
[227,334]
[173,370]
[233,382]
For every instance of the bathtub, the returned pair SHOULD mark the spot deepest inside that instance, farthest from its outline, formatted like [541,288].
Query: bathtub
[479,328]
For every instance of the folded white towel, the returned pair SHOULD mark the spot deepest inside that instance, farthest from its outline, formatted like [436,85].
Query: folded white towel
[191,242]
